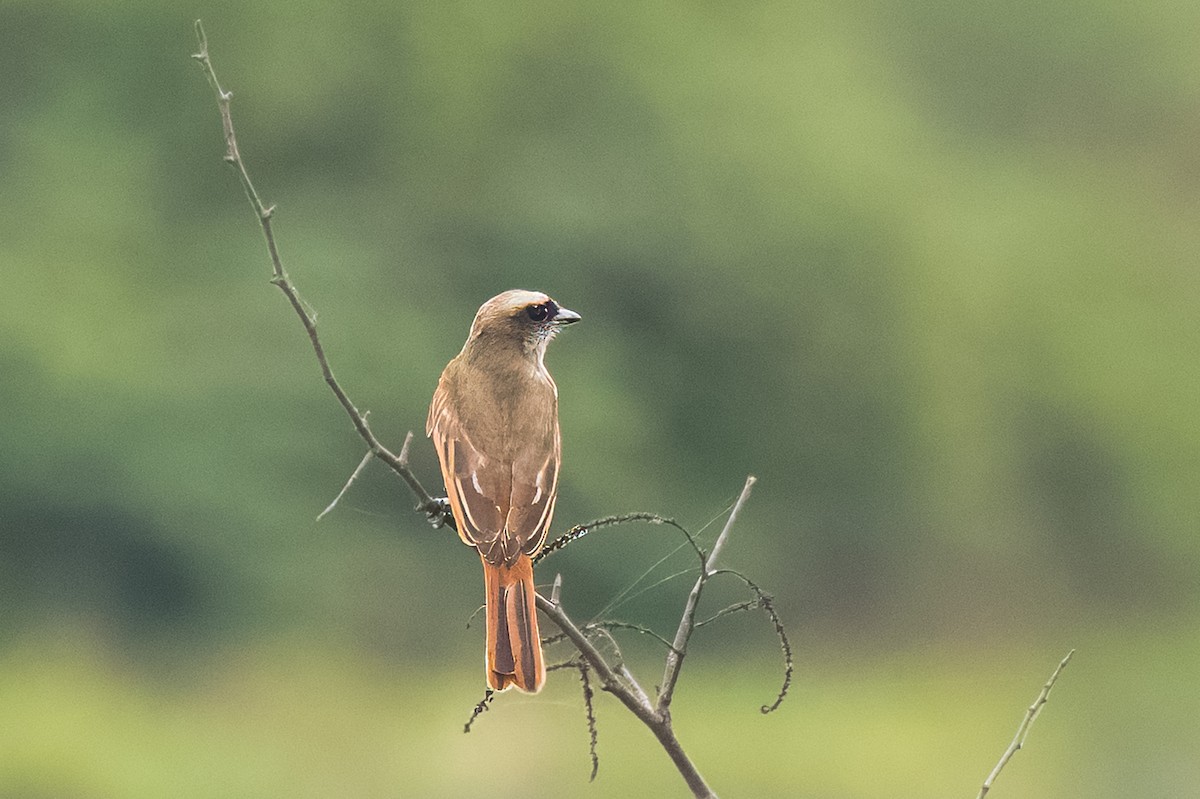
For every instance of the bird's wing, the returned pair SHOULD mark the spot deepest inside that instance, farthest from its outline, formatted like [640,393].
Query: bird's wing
[534,489]
[478,489]
[503,499]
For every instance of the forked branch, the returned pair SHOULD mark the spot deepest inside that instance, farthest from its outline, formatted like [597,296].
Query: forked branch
[687,623]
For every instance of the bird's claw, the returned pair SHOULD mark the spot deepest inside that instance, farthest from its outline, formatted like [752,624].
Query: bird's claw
[437,511]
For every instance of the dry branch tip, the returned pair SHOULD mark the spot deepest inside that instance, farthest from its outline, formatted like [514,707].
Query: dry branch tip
[483,706]
[1031,715]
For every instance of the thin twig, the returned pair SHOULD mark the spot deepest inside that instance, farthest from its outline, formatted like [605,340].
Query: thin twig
[591,718]
[1031,714]
[426,504]
[619,665]
[608,626]
[736,607]
[354,476]
[624,625]
[483,705]
[580,530]
[475,615]
[688,620]
[767,603]
[724,536]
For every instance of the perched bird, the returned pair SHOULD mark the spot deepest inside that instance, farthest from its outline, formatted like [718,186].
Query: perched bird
[494,423]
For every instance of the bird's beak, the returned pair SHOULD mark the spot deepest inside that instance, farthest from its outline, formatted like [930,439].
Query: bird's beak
[565,316]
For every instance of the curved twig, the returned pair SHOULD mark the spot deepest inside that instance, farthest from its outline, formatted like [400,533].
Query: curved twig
[767,603]
[580,530]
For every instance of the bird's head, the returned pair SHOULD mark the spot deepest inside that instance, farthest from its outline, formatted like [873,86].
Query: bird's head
[528,318]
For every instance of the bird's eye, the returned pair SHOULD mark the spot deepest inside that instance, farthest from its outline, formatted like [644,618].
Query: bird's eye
[538,313]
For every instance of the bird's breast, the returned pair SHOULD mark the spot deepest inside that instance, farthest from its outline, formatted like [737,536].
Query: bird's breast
[506,409]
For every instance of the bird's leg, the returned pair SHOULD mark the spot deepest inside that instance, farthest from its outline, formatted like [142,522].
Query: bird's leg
[437,511]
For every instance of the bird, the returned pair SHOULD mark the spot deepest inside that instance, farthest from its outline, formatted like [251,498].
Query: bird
[494,424]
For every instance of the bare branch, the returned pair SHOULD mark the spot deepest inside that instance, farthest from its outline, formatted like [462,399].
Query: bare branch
[724,536]
[634,700]
[688,620]
[608,678]
[426,503]
[1031,714]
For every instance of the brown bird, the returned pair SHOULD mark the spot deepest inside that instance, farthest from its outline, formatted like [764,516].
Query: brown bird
[494,423]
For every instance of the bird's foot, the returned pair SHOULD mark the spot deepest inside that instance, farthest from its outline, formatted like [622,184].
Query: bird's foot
[437,511]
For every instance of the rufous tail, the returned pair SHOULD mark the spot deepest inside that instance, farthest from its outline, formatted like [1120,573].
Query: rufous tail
[514,649]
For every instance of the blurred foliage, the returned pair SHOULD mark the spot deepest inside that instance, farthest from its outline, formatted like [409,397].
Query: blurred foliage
[926,269]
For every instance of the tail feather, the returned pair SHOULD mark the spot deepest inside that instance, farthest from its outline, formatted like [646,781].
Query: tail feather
[514,648]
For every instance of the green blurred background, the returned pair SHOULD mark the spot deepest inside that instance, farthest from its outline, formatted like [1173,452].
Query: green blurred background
[926,269]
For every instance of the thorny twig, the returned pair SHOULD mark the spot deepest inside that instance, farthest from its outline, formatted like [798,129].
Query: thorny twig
[767,603]
[435,510]
[588,708]
[482,706]
[580,530]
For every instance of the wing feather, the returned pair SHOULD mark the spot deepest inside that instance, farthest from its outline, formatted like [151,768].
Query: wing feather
[478,494]
[534,490]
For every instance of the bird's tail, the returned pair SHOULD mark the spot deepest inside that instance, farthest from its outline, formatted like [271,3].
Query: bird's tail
[514,649]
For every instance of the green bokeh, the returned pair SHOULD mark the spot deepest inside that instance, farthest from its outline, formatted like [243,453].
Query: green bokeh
[926,269]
